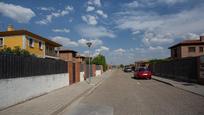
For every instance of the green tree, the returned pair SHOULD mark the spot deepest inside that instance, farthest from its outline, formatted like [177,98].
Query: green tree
[121,65]
[100,60]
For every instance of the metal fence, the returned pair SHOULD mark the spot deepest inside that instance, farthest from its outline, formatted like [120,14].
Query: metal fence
[184,69]
[87,71]
[98,67]
[81,67]
[13,66]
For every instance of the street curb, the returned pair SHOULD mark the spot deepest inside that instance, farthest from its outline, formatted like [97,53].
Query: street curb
[86,92]
[66,105]
[163,82]
[178,87]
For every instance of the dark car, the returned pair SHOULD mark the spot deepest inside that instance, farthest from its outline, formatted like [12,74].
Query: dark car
[143,72]
[127,69]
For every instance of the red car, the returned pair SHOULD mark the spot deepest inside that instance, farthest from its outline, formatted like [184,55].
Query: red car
[143,72]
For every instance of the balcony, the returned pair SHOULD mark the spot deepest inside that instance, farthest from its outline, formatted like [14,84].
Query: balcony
[51,53]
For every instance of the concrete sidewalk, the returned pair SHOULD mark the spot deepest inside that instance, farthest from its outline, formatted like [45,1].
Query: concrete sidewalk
[55,101]
[191,87]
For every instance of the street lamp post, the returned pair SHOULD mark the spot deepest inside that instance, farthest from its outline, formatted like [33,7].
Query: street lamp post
[89,45]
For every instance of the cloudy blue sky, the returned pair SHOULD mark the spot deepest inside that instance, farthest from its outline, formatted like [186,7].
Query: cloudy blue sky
[123,30]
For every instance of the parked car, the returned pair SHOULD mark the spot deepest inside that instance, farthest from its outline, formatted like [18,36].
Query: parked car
[143,72]
[127,69]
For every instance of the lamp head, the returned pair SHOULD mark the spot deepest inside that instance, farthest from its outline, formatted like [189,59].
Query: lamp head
[89,44]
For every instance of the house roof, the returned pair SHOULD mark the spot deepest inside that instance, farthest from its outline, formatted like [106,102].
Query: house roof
[25,32]
[67,51]
[80,56]
[188,42]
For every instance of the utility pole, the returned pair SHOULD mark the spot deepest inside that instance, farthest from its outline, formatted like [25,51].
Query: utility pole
[89,46]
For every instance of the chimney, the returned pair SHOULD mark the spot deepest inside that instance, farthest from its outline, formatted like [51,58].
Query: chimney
[202,38]
[10,28]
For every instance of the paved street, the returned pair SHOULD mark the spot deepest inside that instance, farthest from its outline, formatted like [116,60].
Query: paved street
[120,94]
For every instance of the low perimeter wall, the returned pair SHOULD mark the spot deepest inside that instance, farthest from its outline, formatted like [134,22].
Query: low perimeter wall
[98,72]
[82,75]
[16,90]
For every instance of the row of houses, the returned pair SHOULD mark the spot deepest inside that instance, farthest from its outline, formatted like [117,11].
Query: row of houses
[183,49]
[39,46]
[25,77]
[185,62]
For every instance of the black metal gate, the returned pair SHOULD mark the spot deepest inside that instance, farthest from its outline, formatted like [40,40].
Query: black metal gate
[87,71]
[74,73]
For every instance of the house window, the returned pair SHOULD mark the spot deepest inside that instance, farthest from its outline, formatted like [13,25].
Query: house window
[1,42]
[31,42]
[201,49]
[40,45]
[191,49]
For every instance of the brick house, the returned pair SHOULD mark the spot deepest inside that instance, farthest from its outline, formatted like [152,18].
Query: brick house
[188,48]
[68,55]
[80,59]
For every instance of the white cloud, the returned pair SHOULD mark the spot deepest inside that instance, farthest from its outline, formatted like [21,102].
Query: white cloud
[133,4]
[130,55]
[16,12]
[94,2]
[100,50]
[46,8]
[66,42]
[171,1]
[64,30]
[136,32]
[55,14]
[119,51]
[151,3]
[95,42]
[162,29]
[190,36]
[69,8]
[150,38]
[95,32]
[42,22]
[89,19]
[151,48]
[90,8]
[101,13]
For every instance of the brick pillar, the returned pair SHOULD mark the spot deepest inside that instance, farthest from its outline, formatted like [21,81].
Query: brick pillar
[94,70]
[77,72]
[70,70]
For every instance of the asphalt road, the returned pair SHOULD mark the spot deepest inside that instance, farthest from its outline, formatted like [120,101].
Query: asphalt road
[120,94]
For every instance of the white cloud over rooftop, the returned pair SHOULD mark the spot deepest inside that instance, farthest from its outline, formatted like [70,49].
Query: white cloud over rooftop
[16,12]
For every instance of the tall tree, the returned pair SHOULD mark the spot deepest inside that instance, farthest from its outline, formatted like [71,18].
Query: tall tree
[100,60]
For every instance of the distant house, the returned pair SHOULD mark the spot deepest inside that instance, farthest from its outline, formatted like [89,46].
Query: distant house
[143,63]
[188,48]
[80,59]
[35,44]
[68,55]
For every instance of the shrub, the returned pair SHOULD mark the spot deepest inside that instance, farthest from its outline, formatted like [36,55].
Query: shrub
[16,50]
